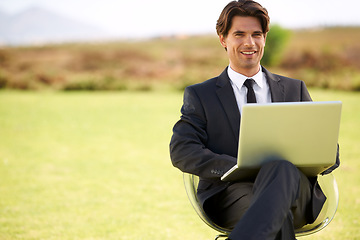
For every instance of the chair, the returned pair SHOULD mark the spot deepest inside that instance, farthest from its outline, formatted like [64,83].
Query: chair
[327,183]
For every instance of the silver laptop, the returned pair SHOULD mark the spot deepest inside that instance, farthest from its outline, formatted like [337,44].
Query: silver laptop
[304,133]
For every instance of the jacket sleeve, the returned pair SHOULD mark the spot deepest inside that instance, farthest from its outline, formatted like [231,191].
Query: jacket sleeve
[188,150]
[305,95]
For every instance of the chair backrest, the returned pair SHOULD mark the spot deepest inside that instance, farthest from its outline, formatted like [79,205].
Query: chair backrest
[327,184]
[191,182]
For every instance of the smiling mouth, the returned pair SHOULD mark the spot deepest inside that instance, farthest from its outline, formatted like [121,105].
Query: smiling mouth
[249,53]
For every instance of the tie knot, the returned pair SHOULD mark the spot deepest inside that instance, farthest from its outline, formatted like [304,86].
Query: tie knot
[249,83]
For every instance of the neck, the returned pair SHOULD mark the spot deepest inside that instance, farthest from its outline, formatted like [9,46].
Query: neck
[248,72]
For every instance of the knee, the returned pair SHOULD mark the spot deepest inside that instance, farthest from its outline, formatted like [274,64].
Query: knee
[281,169]
[280,165]
[280,173]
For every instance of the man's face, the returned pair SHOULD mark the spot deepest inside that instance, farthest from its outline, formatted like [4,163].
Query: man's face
[245,44]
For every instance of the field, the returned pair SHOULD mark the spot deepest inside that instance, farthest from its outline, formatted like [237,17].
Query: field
[80,165]
[324,58]
[76,163]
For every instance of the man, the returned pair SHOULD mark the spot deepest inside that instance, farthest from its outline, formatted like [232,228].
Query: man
[205,139]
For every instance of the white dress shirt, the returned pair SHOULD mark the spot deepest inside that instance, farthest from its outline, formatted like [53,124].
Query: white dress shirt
[261,87]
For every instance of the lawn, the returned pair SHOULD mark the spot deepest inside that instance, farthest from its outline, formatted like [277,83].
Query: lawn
[96,166]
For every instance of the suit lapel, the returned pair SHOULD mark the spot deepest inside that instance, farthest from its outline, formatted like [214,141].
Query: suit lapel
[227,98]
[276,87]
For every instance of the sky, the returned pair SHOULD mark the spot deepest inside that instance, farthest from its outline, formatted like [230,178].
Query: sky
[141,18]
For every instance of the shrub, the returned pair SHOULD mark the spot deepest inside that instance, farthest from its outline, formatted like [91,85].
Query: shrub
[275,45]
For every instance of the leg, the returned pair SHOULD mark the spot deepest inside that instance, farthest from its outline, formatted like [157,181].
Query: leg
[276,190]
[301,208]
[226,208]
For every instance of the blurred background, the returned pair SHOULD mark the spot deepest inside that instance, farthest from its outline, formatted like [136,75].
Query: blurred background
[90,91]
[119,45]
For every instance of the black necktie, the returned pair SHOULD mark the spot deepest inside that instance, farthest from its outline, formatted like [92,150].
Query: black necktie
[251,98]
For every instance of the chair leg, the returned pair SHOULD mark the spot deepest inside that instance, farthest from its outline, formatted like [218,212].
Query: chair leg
[221,236]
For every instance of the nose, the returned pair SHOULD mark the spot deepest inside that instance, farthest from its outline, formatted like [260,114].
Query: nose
[249,41]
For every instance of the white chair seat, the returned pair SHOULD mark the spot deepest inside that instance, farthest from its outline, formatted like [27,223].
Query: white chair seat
[327,183]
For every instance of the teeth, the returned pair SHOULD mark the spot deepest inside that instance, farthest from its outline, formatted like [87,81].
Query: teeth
[248,53]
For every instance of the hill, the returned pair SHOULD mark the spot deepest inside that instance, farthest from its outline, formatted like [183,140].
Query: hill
[37,25]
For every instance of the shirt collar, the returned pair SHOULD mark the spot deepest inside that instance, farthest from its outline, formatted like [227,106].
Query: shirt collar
[238,79]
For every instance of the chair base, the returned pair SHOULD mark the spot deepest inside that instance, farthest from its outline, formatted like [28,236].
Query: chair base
[221,236]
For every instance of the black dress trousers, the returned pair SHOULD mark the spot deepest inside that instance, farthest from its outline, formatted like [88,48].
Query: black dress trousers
[269,208]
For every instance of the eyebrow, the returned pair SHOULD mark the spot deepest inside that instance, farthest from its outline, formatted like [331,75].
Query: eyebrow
[239,31]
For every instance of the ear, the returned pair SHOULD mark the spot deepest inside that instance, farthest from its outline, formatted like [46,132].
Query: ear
[222,41]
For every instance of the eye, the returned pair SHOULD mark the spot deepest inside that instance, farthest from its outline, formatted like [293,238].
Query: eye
[239,34]
[257,34]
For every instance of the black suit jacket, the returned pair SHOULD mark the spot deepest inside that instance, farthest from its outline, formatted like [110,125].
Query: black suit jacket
[205,139]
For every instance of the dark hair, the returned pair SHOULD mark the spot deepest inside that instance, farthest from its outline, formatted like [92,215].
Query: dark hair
[244,8]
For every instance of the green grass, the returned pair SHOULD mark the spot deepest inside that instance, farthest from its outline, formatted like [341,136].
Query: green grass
[96,166]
